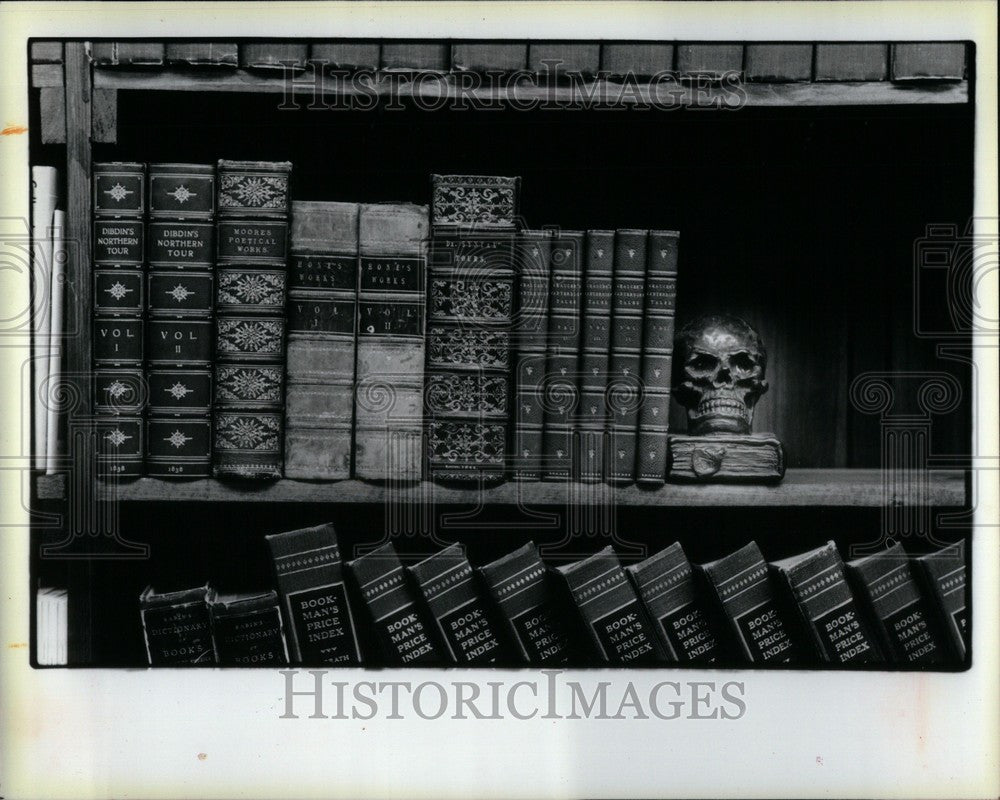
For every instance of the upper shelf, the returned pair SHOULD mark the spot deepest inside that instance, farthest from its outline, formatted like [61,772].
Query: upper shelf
[860,488]
[598,93]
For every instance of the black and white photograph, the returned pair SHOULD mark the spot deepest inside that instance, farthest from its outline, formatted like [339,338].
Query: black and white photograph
[497,389]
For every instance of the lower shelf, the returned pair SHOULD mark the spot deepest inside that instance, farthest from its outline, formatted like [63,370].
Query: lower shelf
[801,487]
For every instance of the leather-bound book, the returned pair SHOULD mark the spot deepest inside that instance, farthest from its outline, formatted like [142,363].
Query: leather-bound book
[624,389]
[248,631]
[310,580]
[119,308]
[562,364]
[401,624]
[463,618]
[179,329]
[742,586]
[203,54]
[177,626]
[274,55]
[612,613]
[665,582]
[520,586]
[659,310]
[903,617]
[252,253]
[347,55]
[322,330]
[944,579]
[592,410]
[121,54]
[531,323]
[489,57]
[836,623]
[470,314]
[388,411]
[416,56]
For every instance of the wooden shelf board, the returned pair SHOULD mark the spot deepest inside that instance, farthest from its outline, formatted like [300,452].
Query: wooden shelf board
[672,94]
[861,488]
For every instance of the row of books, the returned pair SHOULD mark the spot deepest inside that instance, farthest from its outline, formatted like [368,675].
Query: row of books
[386,341]
[51,626]
[810,609]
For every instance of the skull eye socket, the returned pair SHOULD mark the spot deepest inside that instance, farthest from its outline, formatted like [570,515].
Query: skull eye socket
[703,362]
[742,361]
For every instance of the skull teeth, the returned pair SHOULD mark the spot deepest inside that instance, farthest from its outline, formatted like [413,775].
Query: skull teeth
[727,407]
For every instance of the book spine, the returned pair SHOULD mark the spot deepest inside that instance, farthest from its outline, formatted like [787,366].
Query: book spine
[593,409]
[201,54]
[273,55]
[624,388]
[561,385]
[250,634]
[118,259]
[322,325]
[252,251]
[901,611]
[470,312]
[660,301]
[177,633]
[944,577]
[179,326]
[391,352]
[534,250]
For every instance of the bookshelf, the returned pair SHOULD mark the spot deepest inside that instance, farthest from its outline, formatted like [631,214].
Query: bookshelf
[825,320]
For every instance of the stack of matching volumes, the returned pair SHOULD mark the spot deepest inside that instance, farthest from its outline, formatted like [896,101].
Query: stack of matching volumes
[807,610]
[252,244]
[118,257]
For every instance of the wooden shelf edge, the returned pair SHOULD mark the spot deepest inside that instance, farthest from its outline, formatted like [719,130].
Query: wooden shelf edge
[832,93]
[859,488]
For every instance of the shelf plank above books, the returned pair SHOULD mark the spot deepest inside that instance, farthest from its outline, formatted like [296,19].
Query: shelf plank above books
[596,93]
[858,488]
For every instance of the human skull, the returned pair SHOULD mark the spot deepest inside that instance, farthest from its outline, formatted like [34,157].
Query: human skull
[719,373]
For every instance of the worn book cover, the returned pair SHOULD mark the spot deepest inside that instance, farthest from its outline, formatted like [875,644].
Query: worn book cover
[248,631]
[612,613]
[519,584]
[460,611]
[943,575]
[177,626]
[402,626]
[742,586]
[388,411]
[836,624]
[665,583]
[309,573]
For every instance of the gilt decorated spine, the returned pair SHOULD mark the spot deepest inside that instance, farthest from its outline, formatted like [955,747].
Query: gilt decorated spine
[252,252]
[612,613]
[944,577]
[118,257]
[401,624]
[177,626]
[310,580]
[388,408]
[322,331]
[561,383]
[248,631]
[179,328]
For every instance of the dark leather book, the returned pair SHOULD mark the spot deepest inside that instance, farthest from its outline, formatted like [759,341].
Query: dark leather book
[592,410]
[274,55]
[248,630]
[928,61]
[121,54]
[203,54]
[560,388]
[392,300]
[322,333]
[177,626]
[119,308]
[612,613]
[401,624]
[624,390]
[310,580]
[943,576]
[461,613]
[179,328]
[252,252]
[531,323]
[903,617]
[835,622]
[659,310]
[665,583]
[742,586]
[470,314]
[519,584]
